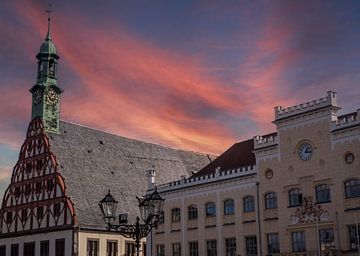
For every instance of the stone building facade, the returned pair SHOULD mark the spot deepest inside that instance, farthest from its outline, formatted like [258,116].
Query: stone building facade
[293,192]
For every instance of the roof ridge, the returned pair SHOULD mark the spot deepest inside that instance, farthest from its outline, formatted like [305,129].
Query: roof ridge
[132,139]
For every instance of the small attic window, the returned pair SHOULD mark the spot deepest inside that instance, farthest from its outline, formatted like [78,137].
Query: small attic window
[89,150]
[131,162]
[101,142]
[65,131]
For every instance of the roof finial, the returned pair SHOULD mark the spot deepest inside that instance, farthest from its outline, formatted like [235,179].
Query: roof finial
[48,36]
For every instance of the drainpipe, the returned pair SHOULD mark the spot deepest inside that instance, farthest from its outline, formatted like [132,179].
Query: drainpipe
[258,217]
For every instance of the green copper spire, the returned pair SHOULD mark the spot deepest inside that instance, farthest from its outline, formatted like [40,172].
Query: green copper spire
[46,93]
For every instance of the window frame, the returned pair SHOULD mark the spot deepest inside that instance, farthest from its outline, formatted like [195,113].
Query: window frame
[14,250]
[270,199]
[175,215]
[249,203]
[176,249]
[60,247]
[292,196]
[273,247]
[44,248]
[92,247]
[229,206]
[322,193]
[352,190]
[295,244]
[211,247]
[160,250]
[210,209]
[193,248]
[111,247]
[192,212]
[353,236]
[251,245]
[230,246]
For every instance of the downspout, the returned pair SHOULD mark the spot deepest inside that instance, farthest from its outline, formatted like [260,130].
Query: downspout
[258,217]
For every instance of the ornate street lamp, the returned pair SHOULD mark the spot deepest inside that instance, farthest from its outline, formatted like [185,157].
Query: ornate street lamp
[150,209]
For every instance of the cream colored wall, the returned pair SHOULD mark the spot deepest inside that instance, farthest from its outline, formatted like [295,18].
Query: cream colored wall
[327,166]
[37,238]
[102,237]
[206,228]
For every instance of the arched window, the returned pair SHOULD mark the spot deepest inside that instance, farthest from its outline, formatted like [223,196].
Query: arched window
[322,193]
[295,198]
[229,207]
[192,212]
[249,204]
[175,215]
[210,209]
[270,200]
[352,188]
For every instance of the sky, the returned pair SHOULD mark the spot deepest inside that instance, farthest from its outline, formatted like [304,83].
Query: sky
[190,74]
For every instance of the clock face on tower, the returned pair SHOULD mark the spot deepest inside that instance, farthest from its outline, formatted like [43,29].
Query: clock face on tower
[52,97]
[37,97]
[305,151]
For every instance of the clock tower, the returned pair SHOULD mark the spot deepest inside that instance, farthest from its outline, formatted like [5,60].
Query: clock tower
[46,93]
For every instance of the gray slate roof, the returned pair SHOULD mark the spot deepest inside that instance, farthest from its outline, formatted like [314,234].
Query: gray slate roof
[92,161]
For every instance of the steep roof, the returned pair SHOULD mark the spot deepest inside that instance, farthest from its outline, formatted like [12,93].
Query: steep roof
[238,155]
[93,161]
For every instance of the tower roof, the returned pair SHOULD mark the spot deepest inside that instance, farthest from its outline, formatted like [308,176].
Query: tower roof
[48,47]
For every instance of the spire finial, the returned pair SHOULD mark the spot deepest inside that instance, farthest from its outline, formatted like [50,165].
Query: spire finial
[48,36]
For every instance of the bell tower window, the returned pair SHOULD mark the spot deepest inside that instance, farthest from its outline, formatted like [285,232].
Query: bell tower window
[52,68]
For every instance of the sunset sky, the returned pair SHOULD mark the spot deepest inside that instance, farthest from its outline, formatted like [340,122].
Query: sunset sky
[195,75]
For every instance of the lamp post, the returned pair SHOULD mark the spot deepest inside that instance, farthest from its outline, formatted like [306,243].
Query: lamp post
[150,209]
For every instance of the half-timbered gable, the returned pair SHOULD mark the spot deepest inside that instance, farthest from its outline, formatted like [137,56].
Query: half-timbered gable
[37,196]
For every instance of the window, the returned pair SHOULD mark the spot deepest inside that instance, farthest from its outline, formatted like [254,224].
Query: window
[322,193]
[60,247]
[23,214]
[249,204]
[3,250]
[270,200]
[176,249]
[40,212]
[160,250]
[298,241]
[210,209]
[129,249]
[295,198]
[15,250]
[175,215]
[326,239]
[44,248]
[230,247]
[92,247]
[57,209]
[352,188]
[229,207]
[211,249]
[192,212]
[29,249]
[353,236]
[193,248]
[250,245]
[111,248]
[8,217]
[161,217]
[273,243]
